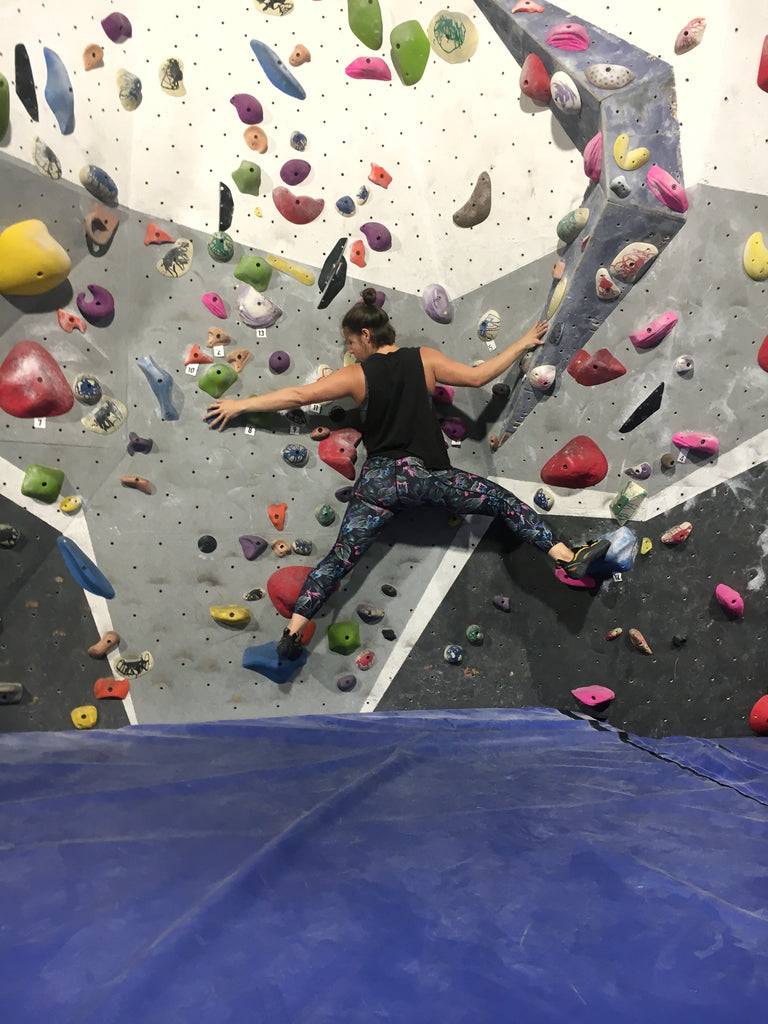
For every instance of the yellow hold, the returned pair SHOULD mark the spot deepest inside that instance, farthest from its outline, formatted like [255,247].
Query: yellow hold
[301,274]
[645,545]
[31,261]
[629,159]
[756,257]
[231,614]
[557,297]
[84,717]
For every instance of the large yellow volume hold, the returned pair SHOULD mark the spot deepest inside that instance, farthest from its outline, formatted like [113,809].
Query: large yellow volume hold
[31,260]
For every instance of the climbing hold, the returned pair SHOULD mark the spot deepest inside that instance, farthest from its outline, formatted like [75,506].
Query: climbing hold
[633,260]
[654,332]
[344,494]
[557,297]
[639,641]
[639,472]
[558,269]
[597,369]
[410,51]
[32,384]
[371,68]
[135,666]
[221,247]
[579,463]
[501,390]
[298,141]
[265,660]
[388,590]
[646,546]
[593,696]
[489,325]
[343,637]
[478,206]
[277,73]
[238,357]
[377,235]
[9,536]
[247,177]
[140,445]
[5,106]
[667,461]
[629,159]
[255,595]
[108,415]
[300,55]
[534,80]
[71,504]
[436,304]
[362,195]
[217,379]
[453,36]
[45,159]
[301,274]
[252,545]
[281,548]
[527,7]
[178,260]
[475,635]
[620,186]
[502,603]
[333,274]
[196,355]
[758,716]
[370,614]
[666,189]
[571,224]
[85,572]
[207,544]
[346,206]
[235,615]
[294,171]
[98,183]
[70,321]
[295,454]
[454,430]
[302,547]
[544,499]
[339,451]
[365,660]
[346,683]
[276,515]
[379,176]
[11,693]
[706,444]
[279,361]
[609,76]
[543,377]
[58,92]
[31,260]
[647,408]
[453,654]
[690,36]
[614,634]
[161,382]
[443,394]
[628,501]
[324,514]
[128,89]
[84,717]
[730,600]
[93,56]
[100,227]
[755,257]
[357,253]
[296,209]
[593,157]
[364,17]
[676,534]
[171,76]
[255,309]
[226,206]
[107,687]
[565,95]
[276,7]
[117,27]
[284,587]
[99,308]
[568,36]
[248,108]
[217,337]
[107,642]
[155,235]
[137,483]
[25,82]
[254,271]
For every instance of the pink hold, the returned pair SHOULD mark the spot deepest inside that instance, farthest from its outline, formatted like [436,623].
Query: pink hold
[730,600]
[667,190]
[444,394]
[591,695]
[585,583]
[569,36]
[654,332]
[453,429]
[296,209]
[705,443]
[593,157]
[215,304]
[369,67]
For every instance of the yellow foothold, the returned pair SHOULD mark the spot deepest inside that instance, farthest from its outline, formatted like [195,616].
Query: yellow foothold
[645,545]
[302,275]
[557,297]
[756,257]
[72,503]
[257,210]
[230,614]
[629,159]
[84,717]
[455,520]
[31,260]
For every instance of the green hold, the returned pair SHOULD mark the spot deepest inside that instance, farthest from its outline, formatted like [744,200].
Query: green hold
[217,379]
[410,51]
[42,483]
[247,177]
[262,420]
[5,106]
[365,21]
[325,515]
[475,635]
[254,271]
[343,637]
[221,247]
[571,224]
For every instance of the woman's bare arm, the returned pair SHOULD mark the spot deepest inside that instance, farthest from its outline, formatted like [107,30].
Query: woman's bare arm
[440,369]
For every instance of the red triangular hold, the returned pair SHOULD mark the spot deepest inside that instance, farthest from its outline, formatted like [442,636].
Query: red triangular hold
[597,369]
[156,235]
[32,384]
[534,80]
[339,451]
[284,586]
[195,355]
[579,463]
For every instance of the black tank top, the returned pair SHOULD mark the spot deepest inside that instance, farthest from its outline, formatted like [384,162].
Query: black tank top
[398,417]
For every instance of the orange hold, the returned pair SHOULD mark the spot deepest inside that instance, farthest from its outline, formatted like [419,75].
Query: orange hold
[138,483]
[357,253]
[527,7]
[107,687]
[379,176]
[156,235]
[68,322]
[238,358]
[276,515]
[196,355]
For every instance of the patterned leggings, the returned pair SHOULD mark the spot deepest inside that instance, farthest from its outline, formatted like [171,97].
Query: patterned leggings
[387,485]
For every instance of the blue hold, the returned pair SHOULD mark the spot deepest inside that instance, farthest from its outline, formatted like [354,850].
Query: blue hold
[346,206]
[276,71]
[620,555]
[85,572]
[58,92]
[295,454]
[100,184]
[299,141]
[265,660]
[161,383]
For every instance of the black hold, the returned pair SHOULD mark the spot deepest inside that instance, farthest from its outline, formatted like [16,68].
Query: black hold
[337,414]
[333,274]
[226,207]
[207,543]
[389,634]
[9,536]
[679,639]
[297,416]
[501,390]
[254,595]
[25,82]
[388,589]
[11,693]
[646,408]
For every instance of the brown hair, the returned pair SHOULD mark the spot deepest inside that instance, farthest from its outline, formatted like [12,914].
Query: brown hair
[367,314]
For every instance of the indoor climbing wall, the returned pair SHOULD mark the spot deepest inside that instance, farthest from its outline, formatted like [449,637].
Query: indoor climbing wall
[208,192]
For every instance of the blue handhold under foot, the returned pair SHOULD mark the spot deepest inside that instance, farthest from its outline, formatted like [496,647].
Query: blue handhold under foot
[161,383]
[619,556]
[84,571]
[265,660]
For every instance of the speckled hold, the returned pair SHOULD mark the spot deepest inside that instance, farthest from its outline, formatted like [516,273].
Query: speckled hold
[502,603]
[279,361]
[299,56]
[544,499]
[453,654]
[98,183]
[346,683]
[325,515]
[639,472]
[365,660]
[609,76]
[475,635]
[298,141]
[377,235]
[207,544]
[248,108]
[87,389]
[117,27]
[345,205]
[294,171]
[221,247]
[295,454]
[302,547]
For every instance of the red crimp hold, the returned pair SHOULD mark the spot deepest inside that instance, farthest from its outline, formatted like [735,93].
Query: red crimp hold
[339,451]
[379,176]
[106,687]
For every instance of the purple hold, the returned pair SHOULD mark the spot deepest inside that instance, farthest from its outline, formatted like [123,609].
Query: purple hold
[117,27]
[252,546]
[248,108]
[142,445]
[99,307]
[346,683]
[640,472]
[502,603]
[381,298]
[344,494]
[279,361]
[377,235]
[436,304]
[293,172]
[444,394]
[455,430]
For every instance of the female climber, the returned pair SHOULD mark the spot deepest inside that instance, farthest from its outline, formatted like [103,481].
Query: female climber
[407,460]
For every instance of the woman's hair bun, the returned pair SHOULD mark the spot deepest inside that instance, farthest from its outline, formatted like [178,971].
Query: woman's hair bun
[368,295]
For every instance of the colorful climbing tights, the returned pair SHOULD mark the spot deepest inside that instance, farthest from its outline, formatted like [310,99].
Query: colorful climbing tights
[387,485]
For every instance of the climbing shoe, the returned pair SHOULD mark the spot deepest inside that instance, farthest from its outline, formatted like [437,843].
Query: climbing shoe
[289,646]
[583,557]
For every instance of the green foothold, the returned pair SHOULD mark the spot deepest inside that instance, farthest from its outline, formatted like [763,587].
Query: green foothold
[217,379]
[410,51]
[42,482]
[254,271]
[365,21]
[247,177]
[262,420]
[343,637]
[221,247]
[571,224]
[475,635]
[5,106]
[325,515]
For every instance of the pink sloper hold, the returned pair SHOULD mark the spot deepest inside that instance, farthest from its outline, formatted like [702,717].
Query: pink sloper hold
[373,68]
[690,35]
[730,600]
[296,209]
[534,80]
[654,332]
[215,304]
[568,36]
[591,695]
[579,463]
[593,157]
[667,190]
[696,442]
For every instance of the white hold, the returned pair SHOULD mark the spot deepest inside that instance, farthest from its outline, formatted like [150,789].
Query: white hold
[543,377]
[684,364]
[256,310]
[489,326]
[609,76]
[565,95]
